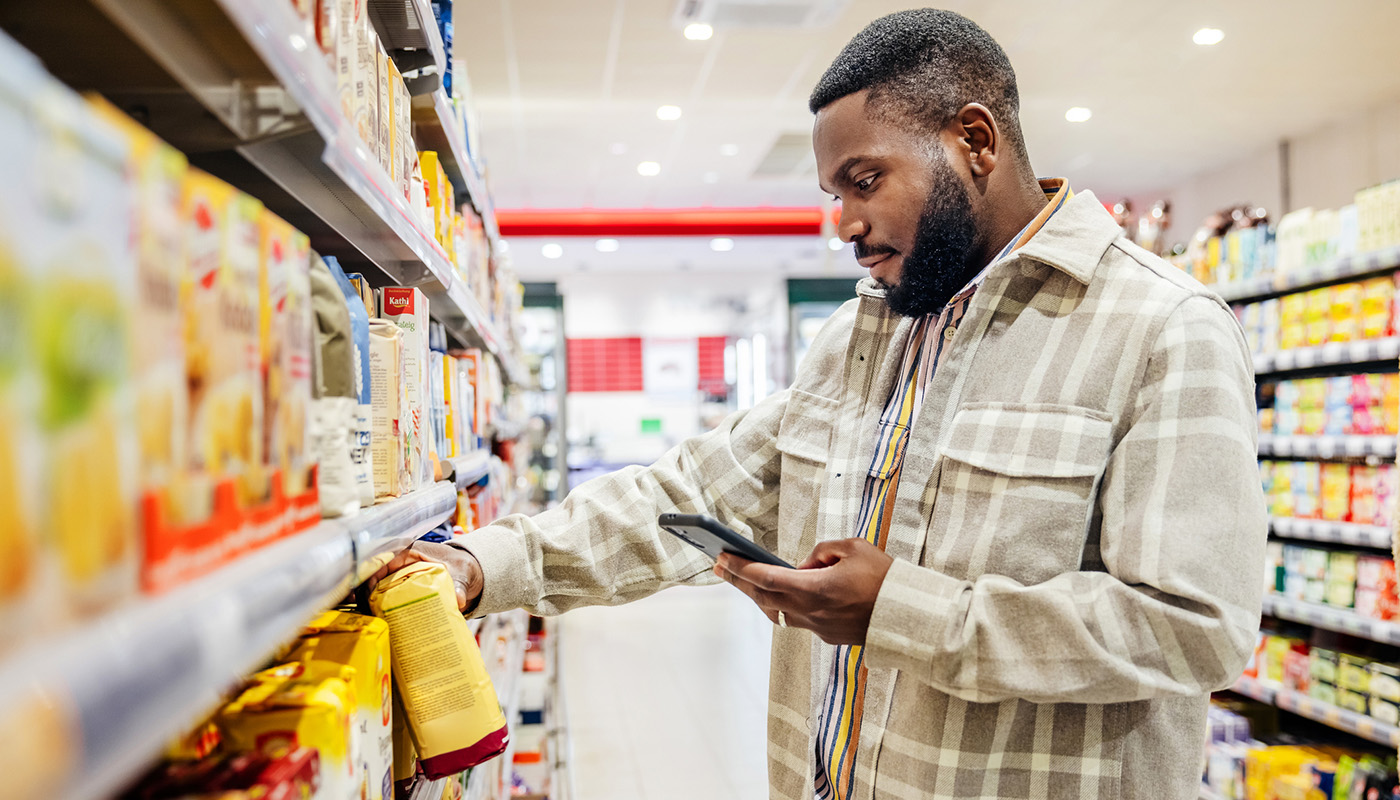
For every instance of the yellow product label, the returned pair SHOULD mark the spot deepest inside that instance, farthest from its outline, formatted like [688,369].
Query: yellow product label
[448,698]
[306,704]
[362,643]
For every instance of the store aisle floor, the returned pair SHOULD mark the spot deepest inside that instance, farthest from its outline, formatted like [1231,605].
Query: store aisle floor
[667,697]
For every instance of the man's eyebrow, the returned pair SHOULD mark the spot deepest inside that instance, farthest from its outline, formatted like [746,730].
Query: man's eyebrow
[840,174]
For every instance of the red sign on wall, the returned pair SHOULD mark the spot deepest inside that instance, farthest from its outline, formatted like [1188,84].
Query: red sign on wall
[605,365]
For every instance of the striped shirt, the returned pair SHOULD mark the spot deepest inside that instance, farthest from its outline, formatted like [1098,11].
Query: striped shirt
[838,729]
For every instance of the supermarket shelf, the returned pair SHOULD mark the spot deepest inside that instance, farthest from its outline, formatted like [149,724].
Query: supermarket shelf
[379,532]
[429,790]
[1335,354]
[1354,266]
[1326,446]
[166,660]
[1343,720]
[1208,794]
[1342,620]
[1319,530]
[467,470]
[260,109]
[438,131]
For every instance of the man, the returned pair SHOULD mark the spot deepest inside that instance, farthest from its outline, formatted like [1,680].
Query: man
[1018,472]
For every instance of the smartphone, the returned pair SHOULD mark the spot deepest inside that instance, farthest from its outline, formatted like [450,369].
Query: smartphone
[712,537]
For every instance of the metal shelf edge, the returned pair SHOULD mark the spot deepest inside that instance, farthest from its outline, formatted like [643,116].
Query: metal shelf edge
[1361,725]
[1334,619]
[1349,266]
[1317,530]
[467,470]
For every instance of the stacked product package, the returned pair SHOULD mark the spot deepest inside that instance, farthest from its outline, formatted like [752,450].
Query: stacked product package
[1347,312]
[1337,492]
[1346,405]
[1352,674]
[1303,240]
[1346,579]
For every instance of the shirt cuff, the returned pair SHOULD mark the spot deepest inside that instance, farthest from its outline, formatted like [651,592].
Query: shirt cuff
[505,569]
[914,611]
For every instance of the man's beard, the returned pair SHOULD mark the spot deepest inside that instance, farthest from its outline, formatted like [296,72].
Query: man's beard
[943,258]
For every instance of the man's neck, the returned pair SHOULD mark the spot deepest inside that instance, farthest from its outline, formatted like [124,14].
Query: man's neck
[1010,216]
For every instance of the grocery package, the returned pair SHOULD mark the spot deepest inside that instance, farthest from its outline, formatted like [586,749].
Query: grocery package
[449,703]
[386,110]
[406,307]
[405,756]
[82,323]
[286,336]
[366,119]
[346,54]
[361,453]
[22,595]
[292,774]
[362,643]
[302,704]
[336,404]
[437,391]
[391,468]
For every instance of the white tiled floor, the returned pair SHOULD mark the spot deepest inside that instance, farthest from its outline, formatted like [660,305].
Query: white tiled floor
[667,697]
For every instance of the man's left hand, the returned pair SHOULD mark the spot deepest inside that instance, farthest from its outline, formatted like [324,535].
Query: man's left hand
[832,593]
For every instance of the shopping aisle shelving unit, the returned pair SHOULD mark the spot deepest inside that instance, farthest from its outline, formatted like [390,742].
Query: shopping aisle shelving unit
[1207,794]
[258,106]
[1344,268]
[1326,446]
[1319,530]
[1340,718]
[1342,620]
[1334,354]
[508,630]
[126,682]
[467,470]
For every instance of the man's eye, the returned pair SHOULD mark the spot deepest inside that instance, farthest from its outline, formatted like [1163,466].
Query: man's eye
[864,184]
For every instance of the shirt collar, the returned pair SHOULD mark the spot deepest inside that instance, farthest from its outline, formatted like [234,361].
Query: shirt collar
[1057,192]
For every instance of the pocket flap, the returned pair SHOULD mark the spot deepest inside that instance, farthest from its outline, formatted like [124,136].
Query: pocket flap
[1041,439]
[805,430]
[889,450]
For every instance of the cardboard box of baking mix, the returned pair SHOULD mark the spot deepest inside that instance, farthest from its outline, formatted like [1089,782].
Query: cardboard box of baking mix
[387,441]
[366,119]
[407,307]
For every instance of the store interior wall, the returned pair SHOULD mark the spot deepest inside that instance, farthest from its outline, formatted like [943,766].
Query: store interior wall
[674,306]
[1326,166]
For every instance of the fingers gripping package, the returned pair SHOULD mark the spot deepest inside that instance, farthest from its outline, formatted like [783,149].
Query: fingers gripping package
[449,703]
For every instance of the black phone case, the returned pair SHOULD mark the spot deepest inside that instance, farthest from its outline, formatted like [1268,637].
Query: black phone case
[712,537]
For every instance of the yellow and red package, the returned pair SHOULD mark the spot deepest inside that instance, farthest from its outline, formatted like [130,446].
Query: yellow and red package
[303,704]
[1336,492]
[1346,312]
[1318,316]
[1377,302]
[1363,494]
[362,643]
[1281,500]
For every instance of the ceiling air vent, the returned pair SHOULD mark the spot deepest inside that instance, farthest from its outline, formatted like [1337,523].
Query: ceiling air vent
[722,14]
[790,151]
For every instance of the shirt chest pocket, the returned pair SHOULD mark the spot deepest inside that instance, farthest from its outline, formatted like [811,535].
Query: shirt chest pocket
[1017,489]
[804,443]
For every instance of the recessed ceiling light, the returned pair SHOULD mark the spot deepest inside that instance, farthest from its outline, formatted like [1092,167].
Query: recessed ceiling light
[711,177]
[552,250]
[698,31]
[721,245]
[649,168]
[1208,36]
[618,148]
[668,113]
[606,245]
[1078,114]
[835,243]
[729,149]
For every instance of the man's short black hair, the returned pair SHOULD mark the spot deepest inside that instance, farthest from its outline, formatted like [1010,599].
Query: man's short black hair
[923,65]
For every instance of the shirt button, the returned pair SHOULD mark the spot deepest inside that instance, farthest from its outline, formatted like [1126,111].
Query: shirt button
[950,331]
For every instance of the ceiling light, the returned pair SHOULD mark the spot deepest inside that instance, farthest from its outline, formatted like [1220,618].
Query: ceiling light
[606,245]
[668,113]
[729,149]
[1208,36]
[835,243]
[1078,114]
[552,250]
[649,168]
[698,31]
[618,148]
[721,245]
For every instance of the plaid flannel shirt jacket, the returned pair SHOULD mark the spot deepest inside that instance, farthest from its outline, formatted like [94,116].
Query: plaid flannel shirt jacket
[1078,537]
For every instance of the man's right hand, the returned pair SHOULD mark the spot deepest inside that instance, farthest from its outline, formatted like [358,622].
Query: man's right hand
[461,565]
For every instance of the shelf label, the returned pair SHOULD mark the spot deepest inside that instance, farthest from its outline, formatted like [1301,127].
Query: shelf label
[1334,353]
[1306,357]
[1285,359]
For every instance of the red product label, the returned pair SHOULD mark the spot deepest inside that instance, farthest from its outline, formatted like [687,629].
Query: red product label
[398,300]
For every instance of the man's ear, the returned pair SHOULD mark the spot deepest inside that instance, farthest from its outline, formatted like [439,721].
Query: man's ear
[978,139]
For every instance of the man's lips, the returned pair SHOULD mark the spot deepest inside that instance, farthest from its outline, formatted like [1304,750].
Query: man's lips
[875,260]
